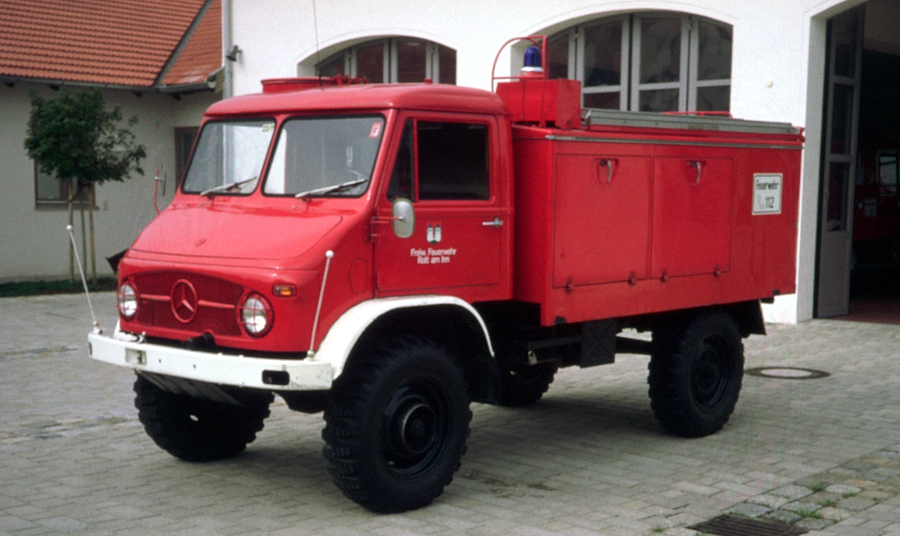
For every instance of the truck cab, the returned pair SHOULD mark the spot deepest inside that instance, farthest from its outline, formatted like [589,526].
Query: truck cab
[279,179]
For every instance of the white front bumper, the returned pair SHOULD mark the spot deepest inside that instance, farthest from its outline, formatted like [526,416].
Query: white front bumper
[240,371]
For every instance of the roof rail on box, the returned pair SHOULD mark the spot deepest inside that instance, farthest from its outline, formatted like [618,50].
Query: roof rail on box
[686,121]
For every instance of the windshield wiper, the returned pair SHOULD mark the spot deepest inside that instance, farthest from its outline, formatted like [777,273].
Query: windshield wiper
[333,188]
[223,187]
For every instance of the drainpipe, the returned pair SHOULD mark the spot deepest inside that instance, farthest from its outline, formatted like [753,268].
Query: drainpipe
[228,90]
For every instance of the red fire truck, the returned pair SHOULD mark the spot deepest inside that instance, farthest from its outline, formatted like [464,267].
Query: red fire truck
[876,214]
[390,253]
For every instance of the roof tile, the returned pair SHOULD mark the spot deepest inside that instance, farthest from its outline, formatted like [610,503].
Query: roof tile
[127,42]
[203,53]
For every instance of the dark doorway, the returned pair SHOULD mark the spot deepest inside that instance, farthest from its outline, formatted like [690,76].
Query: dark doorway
[875,278]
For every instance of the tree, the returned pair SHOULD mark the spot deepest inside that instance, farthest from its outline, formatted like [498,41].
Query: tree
[76,139]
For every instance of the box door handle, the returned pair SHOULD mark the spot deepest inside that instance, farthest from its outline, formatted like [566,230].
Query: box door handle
[699,165]
[609,164]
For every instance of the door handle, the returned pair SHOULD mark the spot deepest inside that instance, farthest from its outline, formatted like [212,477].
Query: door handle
[698,165]
[609,164]
[497,222]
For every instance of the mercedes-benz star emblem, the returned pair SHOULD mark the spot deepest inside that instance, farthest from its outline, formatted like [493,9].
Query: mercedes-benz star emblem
[184,301]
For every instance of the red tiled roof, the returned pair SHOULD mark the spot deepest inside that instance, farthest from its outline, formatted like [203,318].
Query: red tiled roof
[122,43]
[203,53]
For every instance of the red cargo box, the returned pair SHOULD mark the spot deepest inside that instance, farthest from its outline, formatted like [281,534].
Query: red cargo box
[643,213]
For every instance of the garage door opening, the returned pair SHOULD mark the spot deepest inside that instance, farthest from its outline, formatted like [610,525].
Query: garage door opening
[875,275]
[859,241]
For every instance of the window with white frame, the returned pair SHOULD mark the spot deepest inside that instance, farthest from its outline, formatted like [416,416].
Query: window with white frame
[393,60]
[653,61]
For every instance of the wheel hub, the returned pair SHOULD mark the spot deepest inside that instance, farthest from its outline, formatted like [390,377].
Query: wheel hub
[708,376]
[412,428]
[416,428]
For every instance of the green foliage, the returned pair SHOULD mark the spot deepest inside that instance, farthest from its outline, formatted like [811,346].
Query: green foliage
[74,136]
[31,288]
[811,513]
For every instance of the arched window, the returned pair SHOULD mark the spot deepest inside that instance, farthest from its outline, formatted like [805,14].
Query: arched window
[654,61]
[394,60]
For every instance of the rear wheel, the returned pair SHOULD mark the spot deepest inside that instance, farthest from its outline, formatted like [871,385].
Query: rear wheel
[695,375]
[196,429]
[397,424]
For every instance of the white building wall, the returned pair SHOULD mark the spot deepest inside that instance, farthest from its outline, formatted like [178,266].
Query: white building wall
[777,61]
[33,240]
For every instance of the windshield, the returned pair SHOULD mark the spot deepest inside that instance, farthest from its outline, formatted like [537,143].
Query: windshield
[324,156]
[229,157]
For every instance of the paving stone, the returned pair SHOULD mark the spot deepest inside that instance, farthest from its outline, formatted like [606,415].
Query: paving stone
[814,524]
[63,524]
[835,514]
[858,465]
[749,510]
[14,523]
[680,532]
[856,503]
[768,500]
[823,498]
[801,507]
[843,488]
[784,516]
[792,492]
[877,496]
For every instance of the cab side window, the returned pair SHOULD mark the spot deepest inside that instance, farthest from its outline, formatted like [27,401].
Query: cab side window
[401,184]
[449,160]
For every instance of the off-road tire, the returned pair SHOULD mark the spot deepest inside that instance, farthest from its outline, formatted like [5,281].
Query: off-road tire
[695,374]
[525,385]
[196,429]
[397,425]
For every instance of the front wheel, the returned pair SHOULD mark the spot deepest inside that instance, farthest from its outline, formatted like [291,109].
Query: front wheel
[196,429]
[397,424]
[695,375]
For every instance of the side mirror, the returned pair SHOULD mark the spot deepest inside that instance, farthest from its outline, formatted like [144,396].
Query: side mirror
[404,218]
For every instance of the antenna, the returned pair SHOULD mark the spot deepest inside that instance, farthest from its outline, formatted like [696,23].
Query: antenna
[316,31]
[312,343]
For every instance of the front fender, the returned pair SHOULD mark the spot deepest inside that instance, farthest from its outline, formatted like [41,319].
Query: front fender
[350,327]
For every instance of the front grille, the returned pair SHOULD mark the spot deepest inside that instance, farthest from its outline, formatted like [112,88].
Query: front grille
[202,303]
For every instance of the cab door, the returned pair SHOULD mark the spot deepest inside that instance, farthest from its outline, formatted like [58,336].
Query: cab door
[447,168]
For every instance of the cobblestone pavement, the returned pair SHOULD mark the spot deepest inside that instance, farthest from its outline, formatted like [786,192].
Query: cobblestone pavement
[588,459]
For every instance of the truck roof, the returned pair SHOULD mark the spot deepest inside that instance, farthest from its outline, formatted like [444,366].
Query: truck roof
[423,96]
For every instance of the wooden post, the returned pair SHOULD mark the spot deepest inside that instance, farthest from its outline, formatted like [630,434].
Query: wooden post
[91,227]
[71,200]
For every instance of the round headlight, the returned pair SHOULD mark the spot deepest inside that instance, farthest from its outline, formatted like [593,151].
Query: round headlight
[127,302]
[256,315]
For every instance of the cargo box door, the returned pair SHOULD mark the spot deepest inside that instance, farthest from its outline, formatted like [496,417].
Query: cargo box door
[692,207]
[601,219]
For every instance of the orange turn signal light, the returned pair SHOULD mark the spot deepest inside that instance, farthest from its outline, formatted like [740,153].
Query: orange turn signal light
[283,290]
